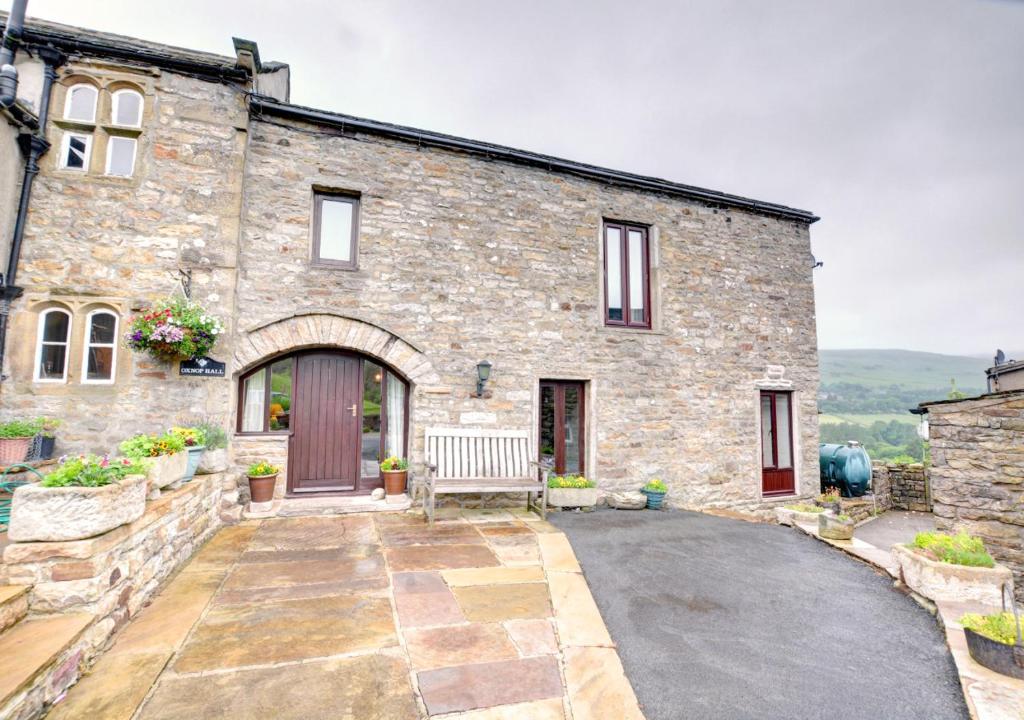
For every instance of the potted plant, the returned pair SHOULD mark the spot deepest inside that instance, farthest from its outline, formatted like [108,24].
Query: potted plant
[83,497]
[16,439]
[395,471]
[215,457]
[173,329]
[163,456]
[835,527]
[47,437]
[262,479]
[995,640]
[571,491]
[954,568]
[655,491]
[195,444]
[802,513]
[830,500]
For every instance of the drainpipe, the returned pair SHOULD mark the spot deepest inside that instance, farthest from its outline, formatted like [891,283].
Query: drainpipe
[37,146]
[12,36]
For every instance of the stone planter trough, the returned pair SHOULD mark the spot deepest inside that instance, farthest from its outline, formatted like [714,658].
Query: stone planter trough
[42,514]
[572,497]
[941,581]
[213,461]
[167,470]
[832,528]
[785,516]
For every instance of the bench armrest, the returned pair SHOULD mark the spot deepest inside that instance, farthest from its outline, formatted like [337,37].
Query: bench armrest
[544,470]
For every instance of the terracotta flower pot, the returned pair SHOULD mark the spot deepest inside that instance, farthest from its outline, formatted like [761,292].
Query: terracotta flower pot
[394,481]
[14,450]
[261,487]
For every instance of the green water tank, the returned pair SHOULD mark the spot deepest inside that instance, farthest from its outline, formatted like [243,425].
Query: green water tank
[846,467]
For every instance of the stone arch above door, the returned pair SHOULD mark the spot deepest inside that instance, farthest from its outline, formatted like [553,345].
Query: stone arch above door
[320,329]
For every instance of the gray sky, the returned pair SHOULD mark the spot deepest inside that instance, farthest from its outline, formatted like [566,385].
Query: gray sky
[899,122]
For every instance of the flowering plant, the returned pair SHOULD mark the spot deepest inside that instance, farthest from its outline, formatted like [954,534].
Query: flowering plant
[174,329]
[394,464]
[570,481]
[262,469]
[91,471]
[191,436]
[656,486]
[142,446]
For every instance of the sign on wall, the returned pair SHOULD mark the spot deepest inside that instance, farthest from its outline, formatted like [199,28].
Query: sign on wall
[202,367]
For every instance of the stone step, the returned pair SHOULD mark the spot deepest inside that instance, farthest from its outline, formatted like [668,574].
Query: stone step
[33,645]
[305,507]
[13,605]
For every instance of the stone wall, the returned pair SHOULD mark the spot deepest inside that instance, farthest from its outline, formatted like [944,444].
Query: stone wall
[902,486]
[111,576]
[977,473]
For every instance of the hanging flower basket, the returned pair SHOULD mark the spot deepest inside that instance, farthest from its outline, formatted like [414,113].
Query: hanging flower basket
[174,329]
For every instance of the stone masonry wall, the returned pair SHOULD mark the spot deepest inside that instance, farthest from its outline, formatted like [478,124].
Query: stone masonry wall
[977,473]
[110,576]
[902,486]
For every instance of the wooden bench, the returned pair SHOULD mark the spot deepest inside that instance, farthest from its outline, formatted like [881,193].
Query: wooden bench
[473,460]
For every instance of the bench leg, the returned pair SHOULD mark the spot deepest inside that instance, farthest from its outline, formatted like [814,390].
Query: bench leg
[544,503]
[432,506]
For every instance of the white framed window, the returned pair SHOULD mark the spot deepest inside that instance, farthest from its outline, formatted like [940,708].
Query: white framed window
[120,156]
[80,103]
[52,344]
[75,150]
[99,360]
[126,108]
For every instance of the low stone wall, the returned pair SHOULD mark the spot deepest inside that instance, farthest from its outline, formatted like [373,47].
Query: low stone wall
[901,487]
[110,577]
[977,473]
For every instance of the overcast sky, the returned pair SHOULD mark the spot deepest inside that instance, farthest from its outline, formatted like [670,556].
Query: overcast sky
[899,122]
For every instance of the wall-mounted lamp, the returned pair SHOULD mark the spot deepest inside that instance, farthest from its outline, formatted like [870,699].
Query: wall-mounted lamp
[483,374]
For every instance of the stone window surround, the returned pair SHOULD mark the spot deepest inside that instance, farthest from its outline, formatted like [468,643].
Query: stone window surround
[79,307]
[43,313]
[654,270]
[774,380]
[107,82]
[87,344]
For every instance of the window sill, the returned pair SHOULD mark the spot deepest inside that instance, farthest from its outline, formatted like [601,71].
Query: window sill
[328,265]
[619,329]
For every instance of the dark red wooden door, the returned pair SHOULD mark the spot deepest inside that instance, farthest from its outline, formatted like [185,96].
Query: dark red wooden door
[777,477]
[326,418]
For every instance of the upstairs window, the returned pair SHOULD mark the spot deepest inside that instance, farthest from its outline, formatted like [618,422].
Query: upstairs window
[126,108]
[120,156]
[52,346]
[75,150]
[100,347]
[335,230]
[627,272]
[80,103]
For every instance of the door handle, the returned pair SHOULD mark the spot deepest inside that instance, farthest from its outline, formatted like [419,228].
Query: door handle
[353,409]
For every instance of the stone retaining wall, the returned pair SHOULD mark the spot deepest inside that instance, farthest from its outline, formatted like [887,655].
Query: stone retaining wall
[977,473]
[110,576]
[901,486]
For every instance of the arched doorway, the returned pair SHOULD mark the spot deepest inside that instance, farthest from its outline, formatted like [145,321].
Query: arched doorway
[342,411]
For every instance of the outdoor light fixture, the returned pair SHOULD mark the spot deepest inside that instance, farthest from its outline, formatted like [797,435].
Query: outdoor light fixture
[483,374]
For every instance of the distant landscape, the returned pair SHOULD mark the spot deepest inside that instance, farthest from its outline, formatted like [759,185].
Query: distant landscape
[866,396]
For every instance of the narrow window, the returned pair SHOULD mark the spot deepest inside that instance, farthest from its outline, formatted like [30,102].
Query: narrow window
[80,103]
[100,347]
[627,275]
[335,230]
[777,474]
[75,151]
[126,109]
[52,346]
[120,156]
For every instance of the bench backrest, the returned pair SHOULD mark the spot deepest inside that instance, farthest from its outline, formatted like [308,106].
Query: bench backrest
[479,453]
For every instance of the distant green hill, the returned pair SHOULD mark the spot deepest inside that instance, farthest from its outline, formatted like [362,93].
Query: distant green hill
[908,369]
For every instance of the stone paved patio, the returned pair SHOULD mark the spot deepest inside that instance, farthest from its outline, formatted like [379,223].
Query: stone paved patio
[484,617]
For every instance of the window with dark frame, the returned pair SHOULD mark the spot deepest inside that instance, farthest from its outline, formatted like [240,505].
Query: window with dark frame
[627,275]
[335,230]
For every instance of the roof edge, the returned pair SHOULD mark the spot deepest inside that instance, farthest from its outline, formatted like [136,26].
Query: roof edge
[261,104]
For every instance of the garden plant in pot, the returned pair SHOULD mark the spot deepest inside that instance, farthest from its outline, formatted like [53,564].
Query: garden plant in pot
[16,439]
[262,479]
[174,329]
[571,491]
[395,471]
[997,640]
[655,491]
[953,568]
[85,496]
[214,458]
[163,455]
[47,437]
[195,444]
[830,500]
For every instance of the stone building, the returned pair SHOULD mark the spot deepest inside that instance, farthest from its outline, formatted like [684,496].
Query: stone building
[363,270]
[977,472]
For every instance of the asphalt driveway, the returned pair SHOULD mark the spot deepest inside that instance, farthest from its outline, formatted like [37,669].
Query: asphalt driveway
[723,619]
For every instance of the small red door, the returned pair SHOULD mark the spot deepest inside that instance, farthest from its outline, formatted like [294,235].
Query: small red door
[777,476]
[325,424]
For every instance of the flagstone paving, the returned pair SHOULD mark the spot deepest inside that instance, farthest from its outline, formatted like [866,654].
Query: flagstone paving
[485,616]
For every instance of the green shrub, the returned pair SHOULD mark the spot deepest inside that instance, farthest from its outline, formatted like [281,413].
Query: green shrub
[829,496]
[92,471]
[1000,627]
[959,549]
[48,426]
[393,463]
[656,486]
[21,428]
[214,435]
[843,518]
[570,481]
[142,446]
[804,507]
[192,437]
[261,468]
